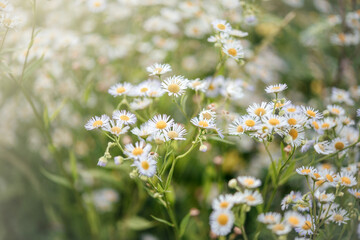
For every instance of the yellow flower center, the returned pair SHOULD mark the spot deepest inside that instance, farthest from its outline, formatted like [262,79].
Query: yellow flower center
[293,133]
[319,183]
[357,194]
[335,111]
[292,121]
[326,166]
[203,124]
[172,134]
[323,197]
[224,204]
[278,227]
[211,86]
[97,4]
[2,5]
[145,165]
[137,151]
[325,125]
[124,118]
[98,123]
[338,217]
[269,218]
[158,70]
[315,124]
[307,225]
[144,89]
[206,115]
[274,121]
[346,180]
[291,109]
[293,221]
[239,129]
[174,88]
[250,123]
[317,176]
[307,171]
[249,181]
[311,113]
[221,26]
[116,130]
[120,90]
[232,52]
[223,219]
[260,111]
[275,88]
[329,178]
[161,124]
[339,145]
[250,198]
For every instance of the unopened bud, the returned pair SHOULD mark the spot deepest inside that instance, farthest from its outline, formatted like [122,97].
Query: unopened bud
[102,162]
[133,174]
[237,231]
[118,160]
[157,195]
[143,177]
[287,149]
[232,183]
[194,212]
[340,194]
[203,148]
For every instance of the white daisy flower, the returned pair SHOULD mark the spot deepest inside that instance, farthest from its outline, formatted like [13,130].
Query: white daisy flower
[249,182]
[238,33]
[336,110]
[289,199]
[249,122]
[306,228]
[259,110]
[124,117]
[338,216]
[251,198]
[9,21]
[276,88]
[294,219]
[120,89]
[96,5]
[295,136]
[295,120]
[198,85]
[234,50]
[214,86]
[344,121]
[346,179]
[354,192]
[140,103]
[161,122]
[324,197]
[323,148]
[140,150]
[308,144]
[292,109]
[221,26]
[315,124]
[338,144]
[323,167]
[326,123]
[311,113]
[221,222]
[143,88]
[116,128]
[158,69]
[350,169]
[175,85]
[176,132]
[329,176]
[281,228]
[219,38]
[146,166]
[237,127]
[159,137]
[280,105]
[207,114]
[274,122]
[341,96]
[269,218]
[97,122]
[203,123]
[223,202]
[143,132]
[5,6]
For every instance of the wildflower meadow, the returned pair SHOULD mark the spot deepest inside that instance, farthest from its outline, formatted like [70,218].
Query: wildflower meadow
[171,119]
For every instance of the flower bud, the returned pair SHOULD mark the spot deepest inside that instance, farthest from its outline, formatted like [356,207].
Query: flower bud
[203,148]
[232,183]
[118,160]
[134,174]
[102,162]
[194,212]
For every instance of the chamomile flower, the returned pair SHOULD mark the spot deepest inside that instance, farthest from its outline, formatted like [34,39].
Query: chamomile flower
[223,202]
[159,137]
[236,127]
[238,33]
[233,50]
[249,182]
[336,110]
[294,219]
[221,222]
[324,197]
[140,103]
[9,21]
[327,123]
[198,85]
[329,176]
[259,110]
[158,69]
[5,6]
[143,88]
[251,198]
[124,117]
[120,89]
[306,228]
[311,113]
[341,96]
[346,179]
[175,132]
[137,151]
[249,122]
[338,144]
[276,88]
[274,122]
[289,199]
[97,122]
[350,169]
[214,86]
[146,166]
[295,120]
[116,127]
[161,122]
[207,114]
[96,5]
[175,85]
[354,192]
[338,216]
[203,123]
[323,167]
[291,109]
[281,228]
[143,132]
[221,26]
[344,121]
[269,218]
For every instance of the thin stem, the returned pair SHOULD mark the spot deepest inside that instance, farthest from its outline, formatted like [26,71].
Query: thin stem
[3,40]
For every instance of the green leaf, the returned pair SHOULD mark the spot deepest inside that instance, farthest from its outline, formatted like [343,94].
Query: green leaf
[55,178]
[138,223]
[221,140]
[272,171]
[288,173]
[184,223]
[283,153]
[162,221]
